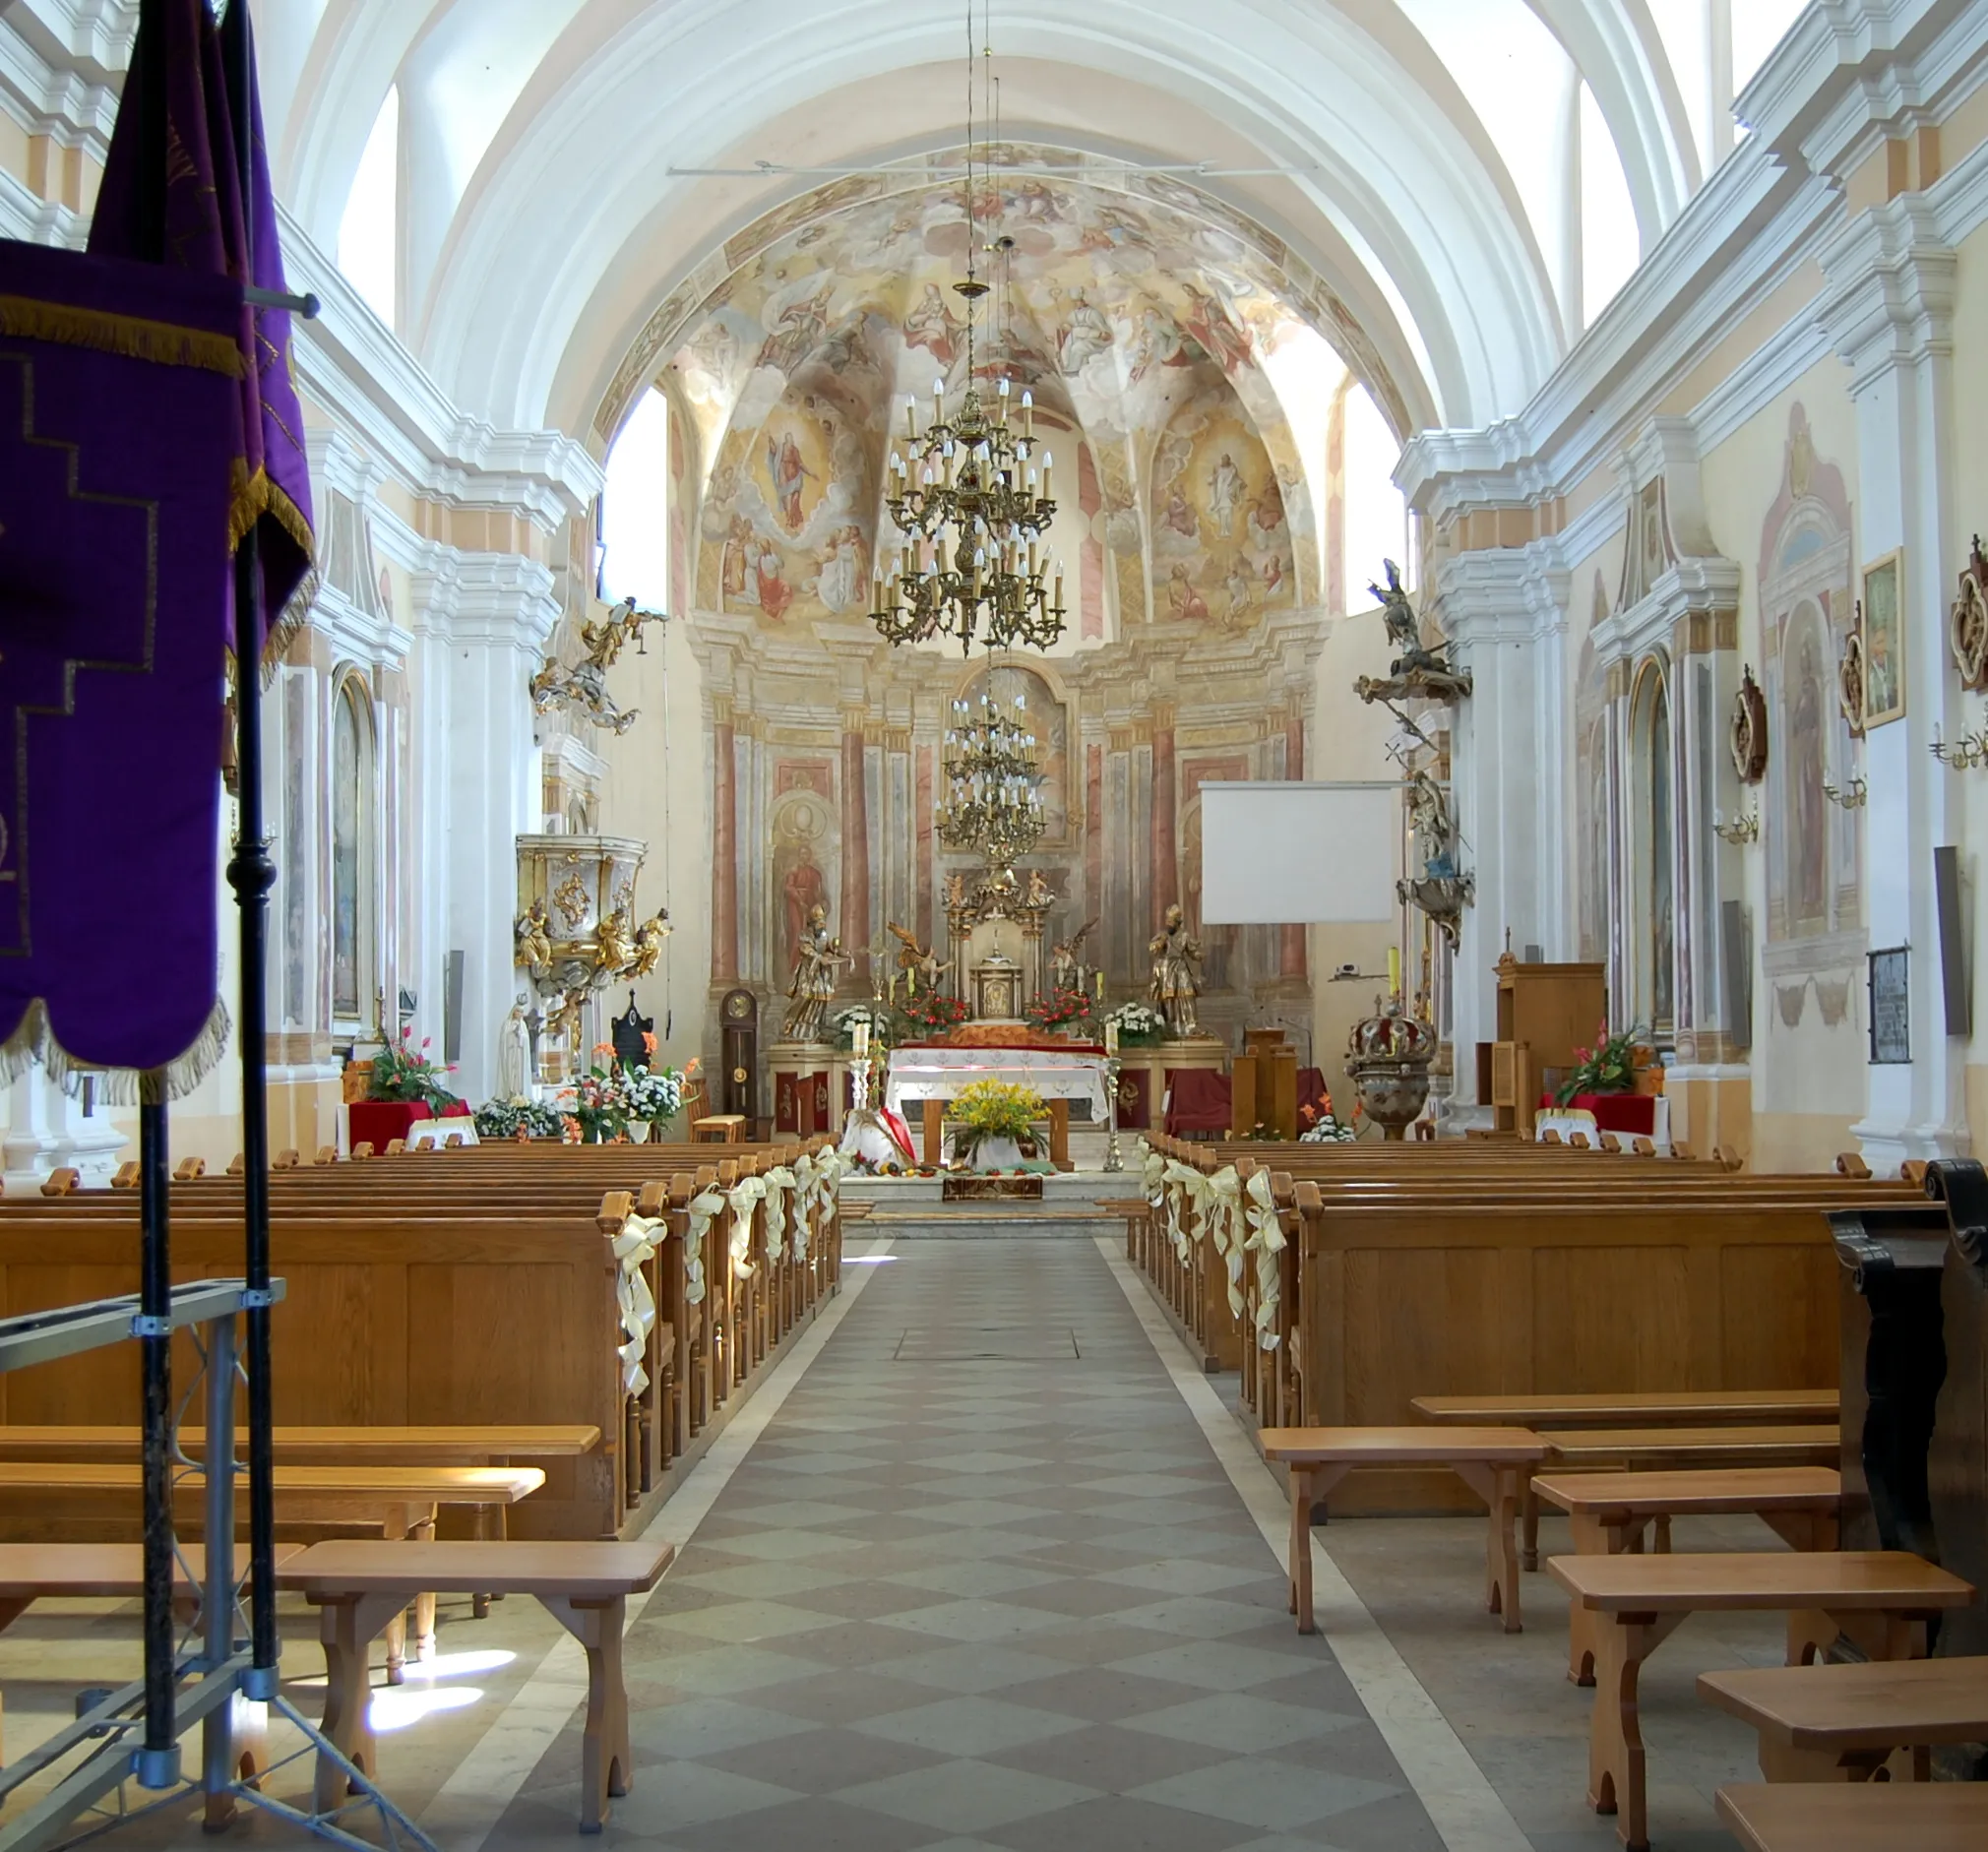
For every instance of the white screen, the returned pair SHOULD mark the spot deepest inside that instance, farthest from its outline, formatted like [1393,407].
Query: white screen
[1289,854]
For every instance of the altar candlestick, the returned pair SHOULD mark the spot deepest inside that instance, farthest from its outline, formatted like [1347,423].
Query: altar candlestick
[1394,970]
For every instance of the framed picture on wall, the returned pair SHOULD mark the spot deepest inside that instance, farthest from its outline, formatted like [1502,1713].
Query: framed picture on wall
[1891,1006]
[1883,627]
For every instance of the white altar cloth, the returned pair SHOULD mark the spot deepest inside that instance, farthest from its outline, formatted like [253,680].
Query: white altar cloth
[922,1073]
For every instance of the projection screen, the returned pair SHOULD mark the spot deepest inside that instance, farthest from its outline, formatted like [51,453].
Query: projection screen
[1289,854]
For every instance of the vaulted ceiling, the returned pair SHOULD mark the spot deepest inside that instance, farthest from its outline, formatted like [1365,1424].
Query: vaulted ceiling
[568,165]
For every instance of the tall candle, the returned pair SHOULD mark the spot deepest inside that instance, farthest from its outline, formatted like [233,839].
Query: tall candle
[1099,977]
[911,982]
[1111,1038]
[1394,970]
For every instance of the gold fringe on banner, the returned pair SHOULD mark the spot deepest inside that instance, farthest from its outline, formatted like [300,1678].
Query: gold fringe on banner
[250,498]
[35,1042]
[165,344]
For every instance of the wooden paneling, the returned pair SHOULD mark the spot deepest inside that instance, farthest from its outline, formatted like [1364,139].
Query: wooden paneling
[1778,1317]
[1615,1318]
[1417,1317]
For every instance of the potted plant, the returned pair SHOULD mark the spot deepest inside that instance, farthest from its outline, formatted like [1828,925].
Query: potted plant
[597,1103]
[883,1025]
[1322,1125]
[1138,1024]
[1609,1067]
[1061,1008]
[993,1122]
[651,1096]
[402,1073]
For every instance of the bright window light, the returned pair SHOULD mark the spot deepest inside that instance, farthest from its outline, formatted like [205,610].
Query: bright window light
[1377,515]
[868,1259]
[1610,248]
[369,234]
[635,508]
[460,1665]
[1757,27]
[399,1707]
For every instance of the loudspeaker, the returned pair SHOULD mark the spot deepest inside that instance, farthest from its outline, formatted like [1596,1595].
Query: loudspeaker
[1534,956]
[452,1006]
[1739,973]
[1953,942]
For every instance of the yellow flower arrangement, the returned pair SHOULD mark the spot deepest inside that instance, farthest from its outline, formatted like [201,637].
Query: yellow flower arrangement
[996,1109]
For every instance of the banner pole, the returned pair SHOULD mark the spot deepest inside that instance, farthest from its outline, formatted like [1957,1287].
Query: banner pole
[156,1765]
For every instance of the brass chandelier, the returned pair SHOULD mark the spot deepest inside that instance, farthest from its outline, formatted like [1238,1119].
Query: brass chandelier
[969,504]
[993,784]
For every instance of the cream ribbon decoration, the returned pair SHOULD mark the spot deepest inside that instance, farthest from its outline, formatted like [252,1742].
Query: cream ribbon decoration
[779,1183]
[1155,1168]
[745,1195]
[704,1209]
[1222,1210]
[1265,1240]
[806,1188]
[639,1239]
[1187,1188]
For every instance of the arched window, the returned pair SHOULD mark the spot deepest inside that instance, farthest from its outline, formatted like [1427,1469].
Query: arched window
[1654,901]
[354,811]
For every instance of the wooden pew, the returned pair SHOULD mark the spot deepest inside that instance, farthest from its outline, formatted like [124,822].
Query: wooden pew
[1951,1817]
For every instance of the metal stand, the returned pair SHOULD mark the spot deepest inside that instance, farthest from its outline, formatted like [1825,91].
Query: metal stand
[1114,1159]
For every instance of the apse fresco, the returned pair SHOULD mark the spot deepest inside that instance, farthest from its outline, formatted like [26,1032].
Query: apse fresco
[1136,323]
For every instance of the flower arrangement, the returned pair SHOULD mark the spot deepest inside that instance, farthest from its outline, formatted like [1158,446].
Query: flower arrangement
[403,1071]
[934,1011]
[1323,1126]
[994,1109]
[653,1094]
[498,1119]
[883,1025]
[1059,1008]
[1609,1067]
[597,1103]
[1136,1024]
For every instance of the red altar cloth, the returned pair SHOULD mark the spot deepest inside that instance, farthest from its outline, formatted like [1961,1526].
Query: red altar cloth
[1633,1113]
[377,1122]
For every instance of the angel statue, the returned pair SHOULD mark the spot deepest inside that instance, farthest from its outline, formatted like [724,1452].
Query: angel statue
[1415,670]
[1435,827]
[584,686]
[1176,972]
[1066,960]
[533,932]
[614,946]
[817,957]
[649,938]
[921,961]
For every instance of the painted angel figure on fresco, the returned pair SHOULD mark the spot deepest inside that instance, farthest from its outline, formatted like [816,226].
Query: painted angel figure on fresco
[789,476]
[1224,494]
[921,961]
[1086,333]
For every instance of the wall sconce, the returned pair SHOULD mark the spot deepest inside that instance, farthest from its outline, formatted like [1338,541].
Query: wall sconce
[1856,799]
[1741,831]
[1968,753]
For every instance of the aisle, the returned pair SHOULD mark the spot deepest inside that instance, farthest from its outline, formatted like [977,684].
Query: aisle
[982,1583]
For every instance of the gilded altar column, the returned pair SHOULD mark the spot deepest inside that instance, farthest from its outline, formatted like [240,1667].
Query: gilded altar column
[723,845]
[1165,834]
[1291,939]
[853,928]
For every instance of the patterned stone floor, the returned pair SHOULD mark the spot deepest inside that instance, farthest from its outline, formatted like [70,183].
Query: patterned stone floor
[982,1583]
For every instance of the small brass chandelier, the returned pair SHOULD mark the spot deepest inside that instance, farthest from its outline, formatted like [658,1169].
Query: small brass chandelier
[993,784]
[969,503]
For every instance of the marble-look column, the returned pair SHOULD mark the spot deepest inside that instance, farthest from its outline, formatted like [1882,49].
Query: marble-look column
[1291,939]
[723,845]
[854,927]
[1889,309]
[1093,841]
[1165,829]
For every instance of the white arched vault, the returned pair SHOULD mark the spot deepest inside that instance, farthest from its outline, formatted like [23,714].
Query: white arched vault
[530,275]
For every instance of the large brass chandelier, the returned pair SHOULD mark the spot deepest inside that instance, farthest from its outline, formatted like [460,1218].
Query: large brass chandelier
[969,503]
[993,784]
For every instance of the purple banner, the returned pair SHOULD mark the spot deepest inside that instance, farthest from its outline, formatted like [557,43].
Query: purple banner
[120,418]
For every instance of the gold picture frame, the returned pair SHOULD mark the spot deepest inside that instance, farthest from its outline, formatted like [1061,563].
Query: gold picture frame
[1882,625]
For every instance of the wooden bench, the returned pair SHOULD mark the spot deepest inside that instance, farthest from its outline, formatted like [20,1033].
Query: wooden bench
[585,1586]
[1491,1462]
[1846,1722]
[1608,1513]
[1882,1598]
[1947,1816]
[1657,1408]
[400,1500]
[718,1129]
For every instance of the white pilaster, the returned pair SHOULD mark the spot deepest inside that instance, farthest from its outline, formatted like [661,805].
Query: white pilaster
[1888,312]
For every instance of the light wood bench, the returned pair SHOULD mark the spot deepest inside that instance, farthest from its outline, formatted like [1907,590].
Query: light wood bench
[1944,1816]
[444,1445]
[718,1129]
[115,1572]
[1654,1408]
[1844,1722]
[400,1500]
[585,1586]
[1491,1462]
[1609,1514]
[1882,1598]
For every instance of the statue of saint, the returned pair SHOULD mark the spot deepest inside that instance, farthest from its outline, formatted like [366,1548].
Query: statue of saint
[649,938]
[817,957]
[614,947]
[1176,972]
[513,1051]
[535,938]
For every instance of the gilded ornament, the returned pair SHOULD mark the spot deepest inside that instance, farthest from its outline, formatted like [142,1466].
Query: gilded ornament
[570,896]
[1967,622]
[1747,737]
[1850,683]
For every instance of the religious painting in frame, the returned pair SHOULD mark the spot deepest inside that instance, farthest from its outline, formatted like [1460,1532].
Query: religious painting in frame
[1883,635]
[1890,1008]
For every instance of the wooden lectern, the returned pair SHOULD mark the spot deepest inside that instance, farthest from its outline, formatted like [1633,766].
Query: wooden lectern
[1264,1086]
[1544,1012]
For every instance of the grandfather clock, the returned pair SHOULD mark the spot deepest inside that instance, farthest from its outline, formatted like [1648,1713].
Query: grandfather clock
[740,1015]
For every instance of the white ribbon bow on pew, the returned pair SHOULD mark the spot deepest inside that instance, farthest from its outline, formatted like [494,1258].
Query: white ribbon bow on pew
[705,1208]
[1186,1189]
[747,1192]
[639,1237]
[1221,1210]
[780,1181]
[1265,1240]
[1155,1168]
[807,1193]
